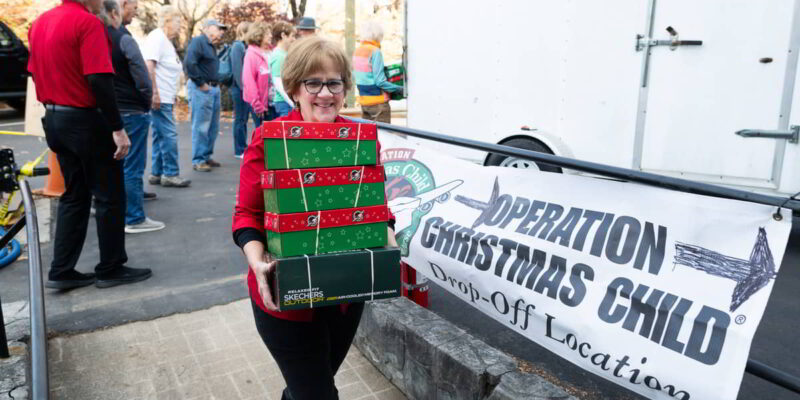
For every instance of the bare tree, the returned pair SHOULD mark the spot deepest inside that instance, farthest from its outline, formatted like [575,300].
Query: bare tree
[148,15]
[193,12]
[298,11]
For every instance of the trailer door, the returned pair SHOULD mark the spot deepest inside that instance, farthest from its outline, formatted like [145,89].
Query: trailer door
[694,98]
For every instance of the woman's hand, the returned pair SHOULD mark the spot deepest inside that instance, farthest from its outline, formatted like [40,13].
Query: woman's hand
[263,271]
[391,240]
[263,266]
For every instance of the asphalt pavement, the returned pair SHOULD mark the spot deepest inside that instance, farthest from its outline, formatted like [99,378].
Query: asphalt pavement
[195,263]
[196,266]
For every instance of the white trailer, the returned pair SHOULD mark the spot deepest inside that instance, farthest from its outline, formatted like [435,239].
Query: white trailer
[659,86]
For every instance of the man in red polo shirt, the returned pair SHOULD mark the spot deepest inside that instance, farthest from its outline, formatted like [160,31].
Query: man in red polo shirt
[70,62]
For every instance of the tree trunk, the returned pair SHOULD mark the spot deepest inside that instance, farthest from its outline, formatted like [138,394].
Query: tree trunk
[298,12]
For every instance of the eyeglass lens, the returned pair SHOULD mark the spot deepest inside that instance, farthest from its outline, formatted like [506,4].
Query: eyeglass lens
[314,86]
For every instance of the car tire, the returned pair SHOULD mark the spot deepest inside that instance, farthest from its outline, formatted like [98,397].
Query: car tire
[17,104]
[513,162]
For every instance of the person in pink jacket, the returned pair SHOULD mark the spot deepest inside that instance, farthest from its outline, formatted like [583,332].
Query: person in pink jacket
[255,72]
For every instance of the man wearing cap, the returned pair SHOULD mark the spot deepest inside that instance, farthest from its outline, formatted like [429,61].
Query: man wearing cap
[201,65]
[71,66]
[306,27]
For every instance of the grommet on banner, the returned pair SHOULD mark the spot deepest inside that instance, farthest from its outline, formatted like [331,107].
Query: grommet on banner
[778,216]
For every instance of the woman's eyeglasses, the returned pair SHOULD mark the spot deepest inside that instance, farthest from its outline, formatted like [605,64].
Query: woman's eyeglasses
[314,86]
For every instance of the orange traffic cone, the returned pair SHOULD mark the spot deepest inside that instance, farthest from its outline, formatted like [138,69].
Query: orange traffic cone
[55,181]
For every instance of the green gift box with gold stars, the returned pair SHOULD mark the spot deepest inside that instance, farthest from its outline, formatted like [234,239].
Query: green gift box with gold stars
[300,190]
[297,144]
[318,232]
[336,278]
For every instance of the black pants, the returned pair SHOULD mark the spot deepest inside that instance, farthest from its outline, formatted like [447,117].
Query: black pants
[85,148]
[309,353]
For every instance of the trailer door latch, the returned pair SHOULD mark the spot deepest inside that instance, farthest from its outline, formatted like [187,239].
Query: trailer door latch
[793,134]
[674,41]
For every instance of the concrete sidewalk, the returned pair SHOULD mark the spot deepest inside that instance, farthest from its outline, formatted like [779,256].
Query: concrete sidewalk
[208,354]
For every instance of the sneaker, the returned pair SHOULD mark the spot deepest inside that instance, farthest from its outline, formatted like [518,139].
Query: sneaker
[122,276]
[213,164]
[72,280]
[239,156]
[148,225]
[150,196]
[174,181]
[154,180]
[202,167]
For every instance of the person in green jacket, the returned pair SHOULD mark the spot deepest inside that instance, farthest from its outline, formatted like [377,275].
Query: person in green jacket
[283,34]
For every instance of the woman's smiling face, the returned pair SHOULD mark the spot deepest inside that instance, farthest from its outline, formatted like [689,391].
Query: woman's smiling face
[323,106]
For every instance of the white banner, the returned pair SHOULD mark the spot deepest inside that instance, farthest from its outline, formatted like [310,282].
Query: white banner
[655,290]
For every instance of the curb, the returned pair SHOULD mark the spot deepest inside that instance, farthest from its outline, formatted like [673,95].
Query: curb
[427,357]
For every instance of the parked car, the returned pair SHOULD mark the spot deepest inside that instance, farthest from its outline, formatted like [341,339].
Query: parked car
[13,68]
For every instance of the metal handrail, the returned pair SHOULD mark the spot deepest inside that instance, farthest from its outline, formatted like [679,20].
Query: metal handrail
[757,368]
[40,380]
[683,185]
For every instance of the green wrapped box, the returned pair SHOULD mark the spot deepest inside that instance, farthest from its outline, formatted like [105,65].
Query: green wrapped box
[300,190]
[295,144]
[396,74]
[326,231]
[336,278]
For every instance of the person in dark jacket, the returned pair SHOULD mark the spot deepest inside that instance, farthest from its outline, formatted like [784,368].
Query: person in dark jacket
[83,127]
[201,65]
[241,110]
[134,92]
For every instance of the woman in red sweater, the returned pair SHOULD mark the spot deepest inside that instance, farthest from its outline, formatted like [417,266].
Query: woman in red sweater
[308,345]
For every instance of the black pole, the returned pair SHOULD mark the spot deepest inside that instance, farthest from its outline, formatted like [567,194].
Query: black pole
[40,382]
[773,375]
[647,178]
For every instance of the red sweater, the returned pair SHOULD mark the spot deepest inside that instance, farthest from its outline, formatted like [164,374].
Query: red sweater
[249,209]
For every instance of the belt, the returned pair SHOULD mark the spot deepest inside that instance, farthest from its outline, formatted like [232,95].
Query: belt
[59,107]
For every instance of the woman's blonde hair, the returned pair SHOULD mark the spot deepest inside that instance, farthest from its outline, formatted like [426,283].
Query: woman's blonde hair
[167,14]
[308,56]
[241,29]
[256,32]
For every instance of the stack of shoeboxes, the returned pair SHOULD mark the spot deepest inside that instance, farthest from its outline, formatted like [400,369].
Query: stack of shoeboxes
[396,74]
[326,215]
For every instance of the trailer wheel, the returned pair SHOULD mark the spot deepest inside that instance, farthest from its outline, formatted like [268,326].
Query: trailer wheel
[514,162]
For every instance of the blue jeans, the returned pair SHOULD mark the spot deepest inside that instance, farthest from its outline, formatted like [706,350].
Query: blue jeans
[241,112]
[136,126]
[282,108]
[205,121]
[165,142]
